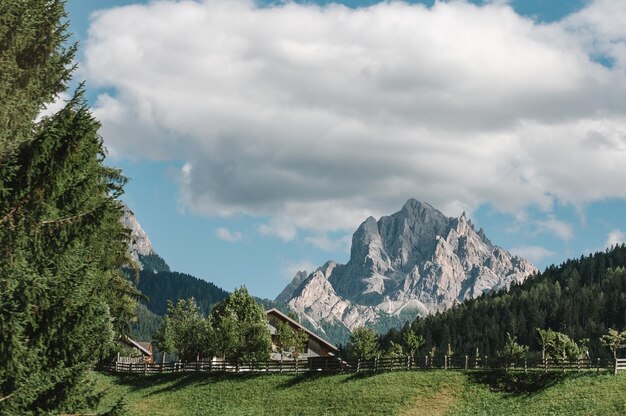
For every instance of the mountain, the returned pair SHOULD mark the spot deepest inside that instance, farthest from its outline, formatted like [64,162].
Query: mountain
[415,260]
[159,284]
[140,246]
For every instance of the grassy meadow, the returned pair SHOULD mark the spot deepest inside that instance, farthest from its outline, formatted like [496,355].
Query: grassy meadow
[399,393]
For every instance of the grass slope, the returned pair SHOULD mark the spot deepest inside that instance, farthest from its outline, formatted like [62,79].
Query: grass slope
[400,393]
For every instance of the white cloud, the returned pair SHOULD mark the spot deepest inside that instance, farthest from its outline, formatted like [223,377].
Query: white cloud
[323,242]
[290,269]
[561,229]
[535,254]
[280,228]
[55,106]
[318,116]
[226,235]
[615,237]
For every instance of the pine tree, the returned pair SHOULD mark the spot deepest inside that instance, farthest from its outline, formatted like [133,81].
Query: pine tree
[63,297]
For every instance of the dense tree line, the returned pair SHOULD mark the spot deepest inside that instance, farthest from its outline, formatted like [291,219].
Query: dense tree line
[63,297]
[235,330]
[581,298]
[161,287]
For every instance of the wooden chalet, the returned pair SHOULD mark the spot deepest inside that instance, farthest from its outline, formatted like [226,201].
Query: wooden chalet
[145,348]
[316,345]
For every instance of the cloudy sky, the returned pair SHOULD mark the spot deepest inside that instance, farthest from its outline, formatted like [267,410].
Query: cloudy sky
[258,136]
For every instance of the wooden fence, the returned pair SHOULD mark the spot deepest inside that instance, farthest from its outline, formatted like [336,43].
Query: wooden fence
[333,364]
[620,365]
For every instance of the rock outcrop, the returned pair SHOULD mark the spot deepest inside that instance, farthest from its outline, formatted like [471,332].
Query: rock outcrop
[414,260]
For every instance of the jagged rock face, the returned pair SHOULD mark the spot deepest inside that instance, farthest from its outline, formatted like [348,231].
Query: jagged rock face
[140,244]
[290,290]
[415,259]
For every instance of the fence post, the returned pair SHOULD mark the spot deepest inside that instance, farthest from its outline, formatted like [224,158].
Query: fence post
[408,362]
[425,362]
[525,364]
[358,365]
[615,366]
[145,368]
[485,362]
[545,365]
[375,364]
[598,365]
[296,365]
[445,362]
[578,365]
[466,361]
[117,360]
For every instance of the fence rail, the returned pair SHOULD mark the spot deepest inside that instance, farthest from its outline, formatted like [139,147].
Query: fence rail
[333,364]
[620,365]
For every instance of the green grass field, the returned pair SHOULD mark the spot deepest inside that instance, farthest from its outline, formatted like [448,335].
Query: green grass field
[399,393]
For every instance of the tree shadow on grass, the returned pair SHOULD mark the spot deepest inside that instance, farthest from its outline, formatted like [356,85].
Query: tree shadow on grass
[518,383]
[362,375]
[175,381]
[306,377]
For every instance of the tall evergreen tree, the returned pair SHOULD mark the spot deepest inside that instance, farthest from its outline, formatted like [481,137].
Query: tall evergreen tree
[63,297]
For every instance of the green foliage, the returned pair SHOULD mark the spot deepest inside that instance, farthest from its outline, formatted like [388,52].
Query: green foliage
[449,351]
[563,347]
[392,393]
[35,64]
[186,331]
[300,343]
[546,340]
[146,325]
[62,246]
[512,351]
[241,327]
[63,298]
[615,340]
[394,351]
[153,263]
[163,286]
[363,343]
[285,338]
[581,298]
[412,342]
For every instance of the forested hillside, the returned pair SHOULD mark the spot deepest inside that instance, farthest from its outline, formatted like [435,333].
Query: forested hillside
[162,286]
[581,298]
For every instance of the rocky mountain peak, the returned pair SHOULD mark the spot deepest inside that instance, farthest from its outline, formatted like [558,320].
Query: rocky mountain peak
[140,246]
[416,258]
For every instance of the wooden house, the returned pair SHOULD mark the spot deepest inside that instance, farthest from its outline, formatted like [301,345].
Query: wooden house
[144,348]
[316,345]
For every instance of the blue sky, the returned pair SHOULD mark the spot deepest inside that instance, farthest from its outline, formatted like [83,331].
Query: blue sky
[253,152]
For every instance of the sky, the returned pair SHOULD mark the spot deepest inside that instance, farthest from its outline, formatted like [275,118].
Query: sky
[259,135]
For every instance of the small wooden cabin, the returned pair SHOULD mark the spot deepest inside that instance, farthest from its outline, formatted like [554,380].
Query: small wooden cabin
[145,348]
[316,345]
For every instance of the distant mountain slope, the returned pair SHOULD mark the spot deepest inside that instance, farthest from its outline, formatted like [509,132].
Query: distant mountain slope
[582,298]
[159,284]
[160,287]
[414,260]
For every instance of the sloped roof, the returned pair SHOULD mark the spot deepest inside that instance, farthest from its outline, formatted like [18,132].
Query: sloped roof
[144,350]
[311,334]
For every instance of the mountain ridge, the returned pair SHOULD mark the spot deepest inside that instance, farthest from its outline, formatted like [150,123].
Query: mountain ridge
[415,259]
